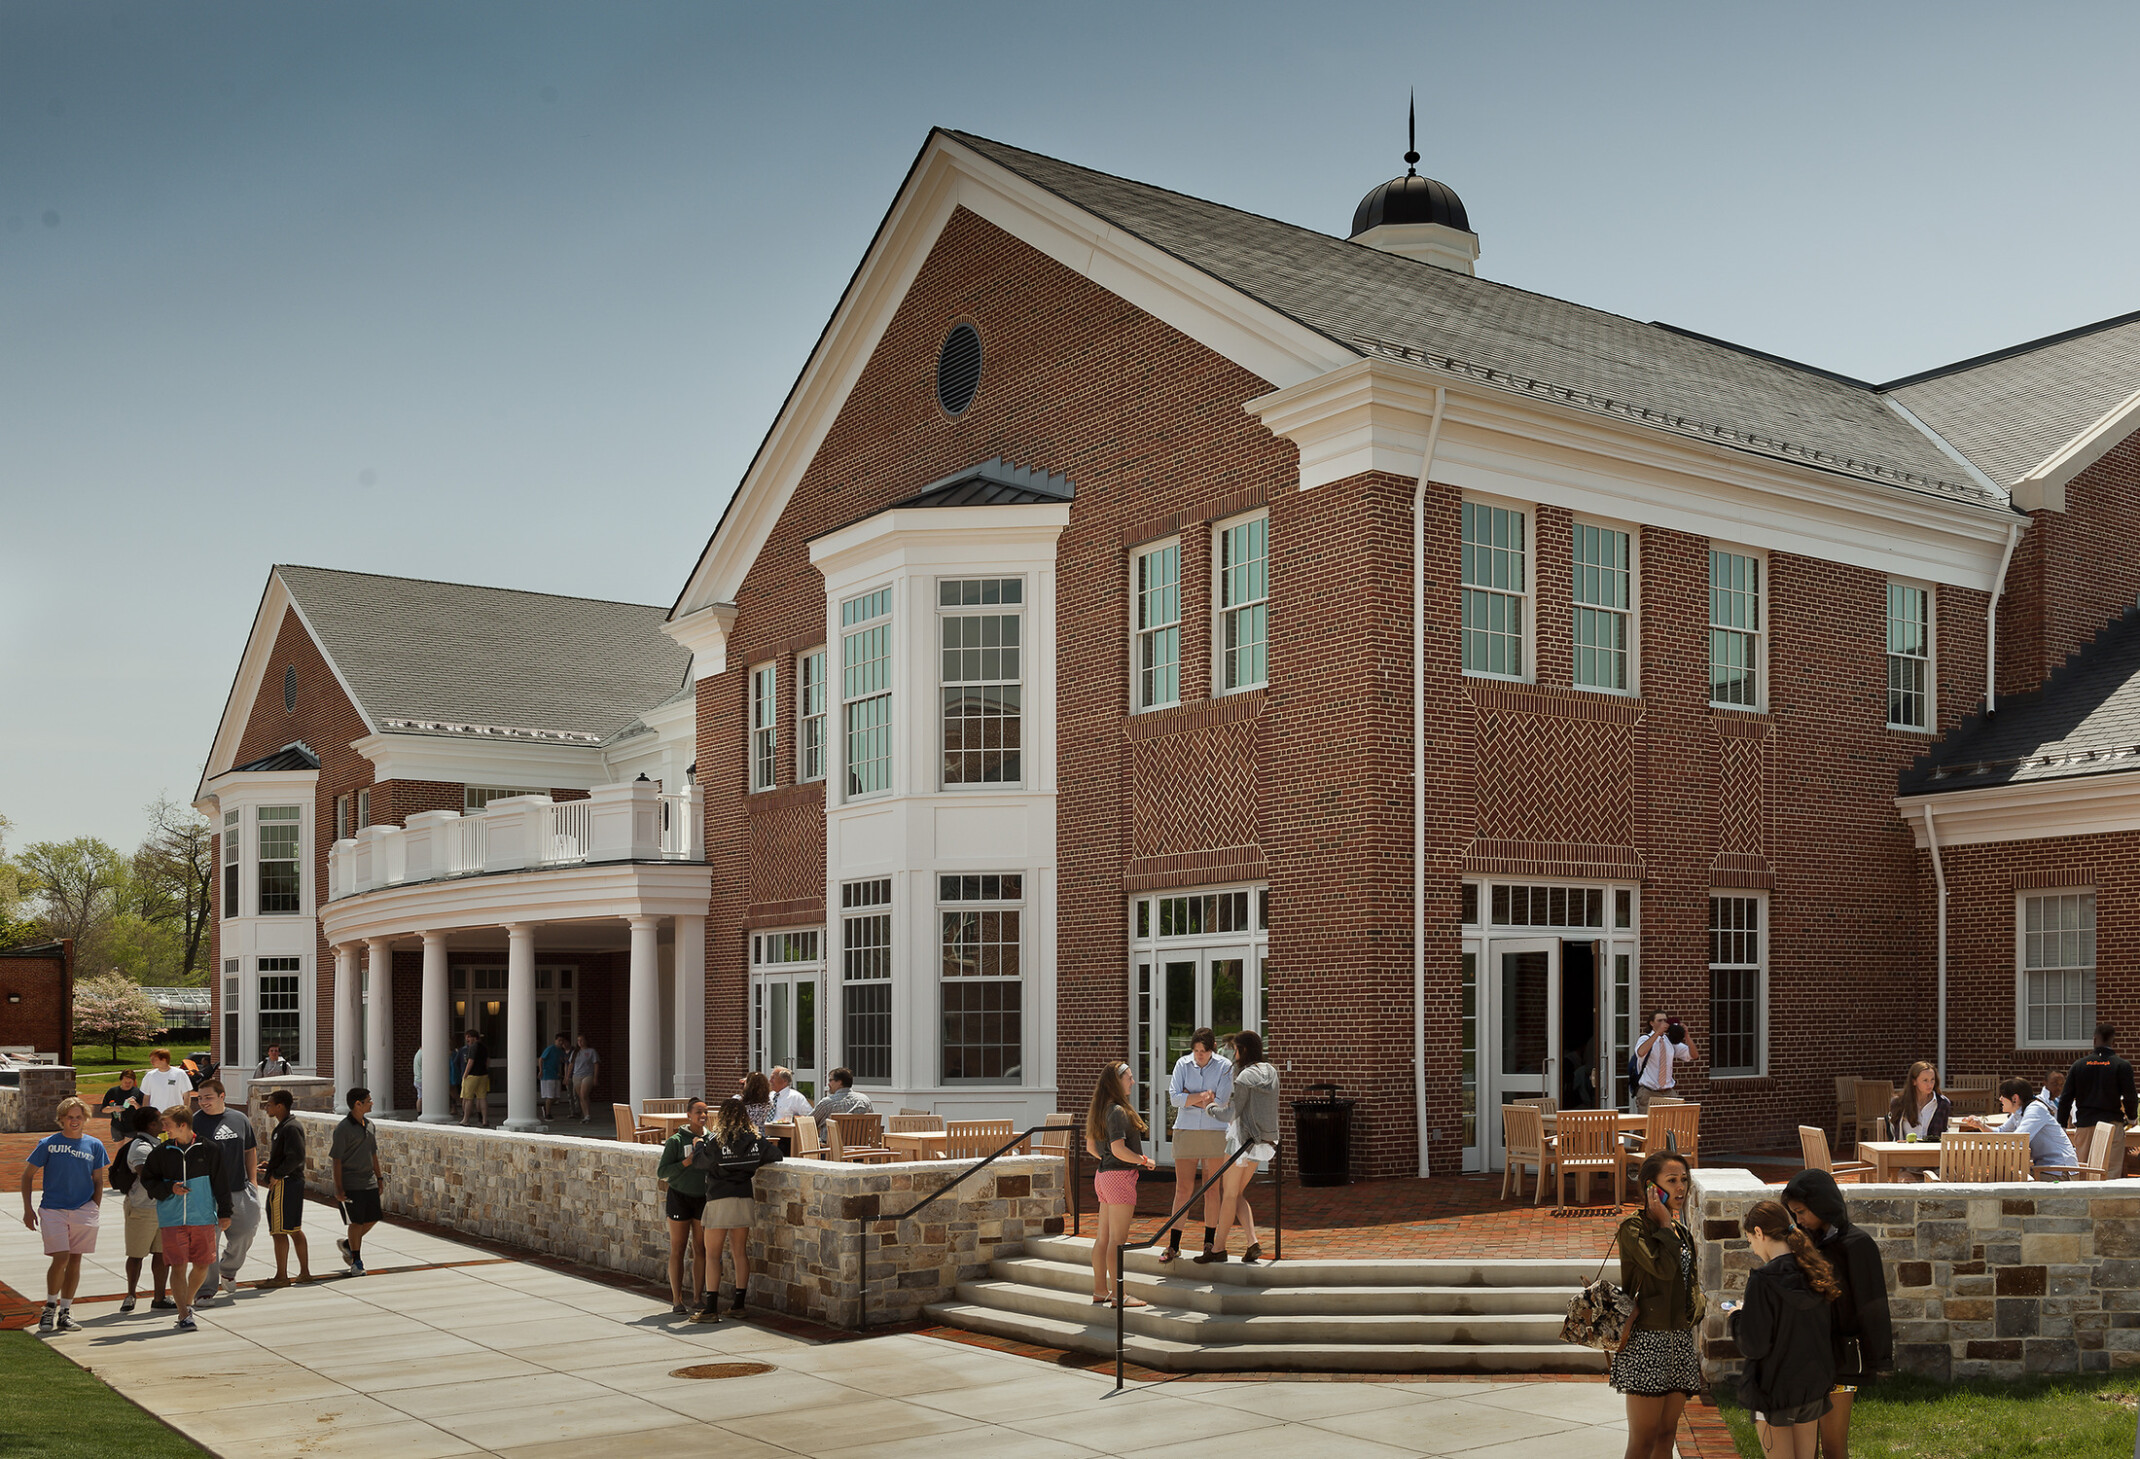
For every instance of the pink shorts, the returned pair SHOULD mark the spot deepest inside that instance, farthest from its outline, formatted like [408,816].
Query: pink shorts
[188,1245]
[1116,1187]
[68,1233]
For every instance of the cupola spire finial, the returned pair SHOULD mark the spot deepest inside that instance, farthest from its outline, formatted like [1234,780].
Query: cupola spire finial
[1411,135]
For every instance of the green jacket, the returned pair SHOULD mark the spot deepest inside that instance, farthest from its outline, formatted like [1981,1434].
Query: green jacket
[685,1179]
[1649,1270]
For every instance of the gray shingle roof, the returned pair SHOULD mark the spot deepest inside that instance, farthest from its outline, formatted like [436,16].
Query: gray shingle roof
[2010,411]
[1377,303]
[434,652]
[2085,720]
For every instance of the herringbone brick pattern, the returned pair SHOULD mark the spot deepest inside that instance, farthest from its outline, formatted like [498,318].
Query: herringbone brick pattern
[1556,778]
[1190,793]
[787,851]
[1742,798]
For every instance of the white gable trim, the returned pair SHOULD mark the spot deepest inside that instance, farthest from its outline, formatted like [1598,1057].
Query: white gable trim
[482,762]
[2033,810]
[949,175]
[2044,489]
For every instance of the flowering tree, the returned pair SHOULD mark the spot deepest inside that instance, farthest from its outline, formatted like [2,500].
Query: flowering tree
[110,1007]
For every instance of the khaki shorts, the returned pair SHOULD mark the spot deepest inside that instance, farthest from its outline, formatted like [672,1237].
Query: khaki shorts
[475,1086]
[1199,1144]
[143,1236]
[730,1212]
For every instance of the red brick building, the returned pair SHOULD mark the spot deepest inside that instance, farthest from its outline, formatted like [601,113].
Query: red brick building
[37,998]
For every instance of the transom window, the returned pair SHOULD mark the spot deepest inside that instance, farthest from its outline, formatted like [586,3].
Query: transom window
[1157,588]
[1202,912]
[2058,968]
[1519,906]
[983,694]
[866,977]
[982,993]
[770,949]
[1602,596]
[1909,657]
[476,797]
[1734,629]
[1496,590]
[810,716]
[1735,997]
[279,883]
[278,1006]
[230,864]
[764,726]
[866,691]
[1244,593]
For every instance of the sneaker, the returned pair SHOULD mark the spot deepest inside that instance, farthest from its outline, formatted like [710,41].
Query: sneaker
[679,1309]
[356,1264]
[186,1324]
[207,1294]
[711,1312]
[126,1307]
[67,1322]
[163,1304]
[46,1318]
[342,1245]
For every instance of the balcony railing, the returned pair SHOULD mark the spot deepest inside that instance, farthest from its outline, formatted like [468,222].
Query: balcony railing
[630,821]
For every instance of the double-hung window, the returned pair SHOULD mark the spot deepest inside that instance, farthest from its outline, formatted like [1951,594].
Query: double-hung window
[230,864]
[230,1009]
[1737,1005]
[1156,590]
[982,991]
[279,882]
[810,716]
[866,691]
[979,624]
[2058,969]
[342,824]
[1601,594]
[764,725]
[866,978]
[278,1008]
[1734,629]
[1909,657]
[364,808]
[1495,576]
[1244,603]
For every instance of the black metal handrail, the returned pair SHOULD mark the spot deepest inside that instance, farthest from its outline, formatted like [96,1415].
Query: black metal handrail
[1186,1205]
[862,1222]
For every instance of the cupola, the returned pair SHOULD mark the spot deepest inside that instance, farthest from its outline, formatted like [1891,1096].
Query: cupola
[1416,216]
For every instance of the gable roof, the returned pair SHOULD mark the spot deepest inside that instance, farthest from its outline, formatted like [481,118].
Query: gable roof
[2084,720]
[993,483]
[1380,304]
[423,657]
[294,756]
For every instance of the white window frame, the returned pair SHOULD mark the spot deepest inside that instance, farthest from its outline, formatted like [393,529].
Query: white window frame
[811,720]
[866,901]
[762,940]
[364,809]
[2092,932]
[1762,589]
[295,1043]
[947,612]
[475,797]
[1759,966]
[1223,611]
[764,726]
[1010,897]
[1630,616]
[1928,659]
[1157,632]
[296,822]
[1528,597]
[343,822]
[233,872]
[875,691]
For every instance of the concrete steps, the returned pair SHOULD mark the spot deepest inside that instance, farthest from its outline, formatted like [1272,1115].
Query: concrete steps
[1329,1316]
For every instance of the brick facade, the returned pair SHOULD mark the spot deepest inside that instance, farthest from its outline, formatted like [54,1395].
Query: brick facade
[37,998]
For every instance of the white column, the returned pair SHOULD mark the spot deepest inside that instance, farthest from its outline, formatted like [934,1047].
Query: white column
[690,1030]
[644,1011]
[345,1023]
[379,1025]
[437,1101]
[520,1059]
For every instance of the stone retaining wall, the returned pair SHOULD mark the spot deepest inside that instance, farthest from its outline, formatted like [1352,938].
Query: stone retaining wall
[1984,1281]
[32,1106]
[598,1202]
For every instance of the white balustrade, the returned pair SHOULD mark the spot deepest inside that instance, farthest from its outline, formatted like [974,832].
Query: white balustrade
[471,845]
[569,832]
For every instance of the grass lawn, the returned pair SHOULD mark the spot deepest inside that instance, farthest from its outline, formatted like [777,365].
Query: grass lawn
[94,1072]
[2088,1417]
[51,1409]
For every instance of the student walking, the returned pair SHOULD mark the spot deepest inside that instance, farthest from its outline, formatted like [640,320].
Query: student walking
[475,1082]
[230,1135]
[1782,1332]
[685,1206]
[586,1068]
[164,1086]
[550,1071]
[2099,1088]
[285,1177]
[1860,1333]
[1254,1112]
[358,1174]
[733,1151]
[456,1070]
[73,1162]
[1202,1083]
[119,1103]
[1114,1134]
[192,1201]
[1663,1046]
[144,1238]
[1658,1369]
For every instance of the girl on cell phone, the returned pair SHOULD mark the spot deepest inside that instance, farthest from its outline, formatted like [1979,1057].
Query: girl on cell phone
[1657,1369]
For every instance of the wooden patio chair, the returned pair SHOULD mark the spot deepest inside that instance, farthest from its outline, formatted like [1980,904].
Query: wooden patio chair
[665,1106]
[1587,1141]
[837,1148]
[1971,1081]
[1813,1146]
[804,1144]
[1846,1108]
[976,1139]
[1657,1099]
[1872,1099]
[1055,1139]
[1970,1156]
[1677,1127]
[1545,1104]
[912,1124]
[913,1111]
[2093,1148]
[628,1126]
[1523,1135]
[1972,1101]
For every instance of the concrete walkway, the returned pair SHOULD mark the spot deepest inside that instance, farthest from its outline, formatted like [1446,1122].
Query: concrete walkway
[504,1357]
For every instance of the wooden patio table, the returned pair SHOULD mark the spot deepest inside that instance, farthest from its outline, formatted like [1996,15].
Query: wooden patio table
[918,1144]
[1630,1124]
[1890,1156]
[669,1124]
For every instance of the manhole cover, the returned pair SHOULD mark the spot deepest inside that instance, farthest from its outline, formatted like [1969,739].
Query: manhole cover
[721,1370]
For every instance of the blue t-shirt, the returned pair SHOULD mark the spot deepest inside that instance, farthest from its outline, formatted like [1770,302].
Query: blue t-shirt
[553,1062]
[70,1168]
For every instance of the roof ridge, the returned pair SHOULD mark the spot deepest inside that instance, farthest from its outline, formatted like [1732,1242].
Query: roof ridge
[473,587]
[2079,331]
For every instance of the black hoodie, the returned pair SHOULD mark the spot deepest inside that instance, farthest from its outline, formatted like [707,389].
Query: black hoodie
[1860,1315]
[1784,1336]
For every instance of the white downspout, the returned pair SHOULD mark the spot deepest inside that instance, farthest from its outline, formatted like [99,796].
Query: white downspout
[1419,779]
[1939,875]
[1991,640]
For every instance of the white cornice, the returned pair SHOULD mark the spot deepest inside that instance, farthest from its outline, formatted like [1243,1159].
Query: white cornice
[955,537]
[704,635]
[1373,415]
[2032,810]
[248,787]
[2044,489]
[557,894]
[485,762]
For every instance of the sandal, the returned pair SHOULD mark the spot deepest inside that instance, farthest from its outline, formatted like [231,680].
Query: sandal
[1253,1255]
[1169,1254]
[1208,1258]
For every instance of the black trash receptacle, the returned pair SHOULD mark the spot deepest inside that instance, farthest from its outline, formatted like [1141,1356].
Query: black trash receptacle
[1322,1136]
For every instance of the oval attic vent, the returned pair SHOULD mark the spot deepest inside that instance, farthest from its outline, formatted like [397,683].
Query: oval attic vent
[958,369]
[289,690]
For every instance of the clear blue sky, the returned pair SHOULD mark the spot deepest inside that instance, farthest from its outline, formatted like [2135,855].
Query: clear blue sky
[509,293]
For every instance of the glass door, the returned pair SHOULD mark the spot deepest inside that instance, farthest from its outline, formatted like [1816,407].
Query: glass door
[1194,988]
[784,1025]
[1523,1042]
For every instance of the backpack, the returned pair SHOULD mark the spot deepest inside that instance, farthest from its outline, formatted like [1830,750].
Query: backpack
[123,1174]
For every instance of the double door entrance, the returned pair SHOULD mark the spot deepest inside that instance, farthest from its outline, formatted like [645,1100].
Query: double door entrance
[785,1026]
[1553,1015]
[479,1003]
[1180,990]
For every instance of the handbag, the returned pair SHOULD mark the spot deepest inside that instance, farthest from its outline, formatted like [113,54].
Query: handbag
[1599,1316]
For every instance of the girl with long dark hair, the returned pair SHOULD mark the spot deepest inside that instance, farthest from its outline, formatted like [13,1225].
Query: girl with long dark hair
[1114,1137]
[1254,1113]
[1782,1332]
[1861,1334]
[733,1151]
[1657,1369]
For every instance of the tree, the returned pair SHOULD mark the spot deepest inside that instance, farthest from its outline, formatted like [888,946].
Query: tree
[77,882]
[15,927]
[173,872]
[109,1006]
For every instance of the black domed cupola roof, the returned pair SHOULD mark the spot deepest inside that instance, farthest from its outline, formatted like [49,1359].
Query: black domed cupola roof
[1410,198]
